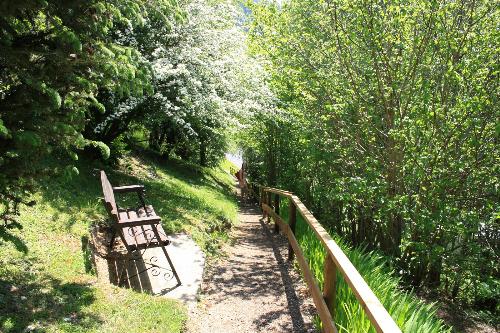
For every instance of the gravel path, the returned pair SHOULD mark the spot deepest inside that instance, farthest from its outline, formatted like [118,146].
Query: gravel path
[254,289]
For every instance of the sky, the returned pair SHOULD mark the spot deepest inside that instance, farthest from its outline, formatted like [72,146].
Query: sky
[235,158]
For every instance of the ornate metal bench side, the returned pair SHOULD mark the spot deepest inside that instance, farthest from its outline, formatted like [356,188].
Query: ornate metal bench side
[138,229]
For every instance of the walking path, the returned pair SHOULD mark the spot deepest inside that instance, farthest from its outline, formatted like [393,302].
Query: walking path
[254,289]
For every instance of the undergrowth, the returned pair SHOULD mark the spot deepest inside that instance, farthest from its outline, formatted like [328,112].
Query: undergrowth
[411,314]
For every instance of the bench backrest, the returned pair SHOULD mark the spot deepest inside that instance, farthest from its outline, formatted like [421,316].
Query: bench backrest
[109,197]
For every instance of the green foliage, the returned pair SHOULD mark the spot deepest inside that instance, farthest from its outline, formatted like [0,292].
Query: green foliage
[79,75]
[204,84]
[102,147]
[4,132]
[387,127]
[57,58]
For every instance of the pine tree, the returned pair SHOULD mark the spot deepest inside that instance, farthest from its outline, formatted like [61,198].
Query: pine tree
[55,56]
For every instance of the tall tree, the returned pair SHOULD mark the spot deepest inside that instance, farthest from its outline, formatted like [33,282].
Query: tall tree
[204,84]
[55,56]
[397,142]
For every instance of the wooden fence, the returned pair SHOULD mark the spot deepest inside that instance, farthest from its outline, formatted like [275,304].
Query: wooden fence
[335,260]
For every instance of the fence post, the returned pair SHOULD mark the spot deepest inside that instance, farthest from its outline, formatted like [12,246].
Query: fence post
[261,200]
[292,220]
[269,204]
[330,284]
[277,211]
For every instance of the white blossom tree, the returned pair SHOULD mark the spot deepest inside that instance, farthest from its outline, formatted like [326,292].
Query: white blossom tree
[205,82]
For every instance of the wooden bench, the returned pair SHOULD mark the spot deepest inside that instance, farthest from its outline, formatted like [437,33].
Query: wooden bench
[138,228]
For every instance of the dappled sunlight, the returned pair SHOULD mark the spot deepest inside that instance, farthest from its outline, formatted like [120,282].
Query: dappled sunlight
[382,116]
[34,300]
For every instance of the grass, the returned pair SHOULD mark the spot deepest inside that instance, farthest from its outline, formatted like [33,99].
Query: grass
[46,281]
[411,314]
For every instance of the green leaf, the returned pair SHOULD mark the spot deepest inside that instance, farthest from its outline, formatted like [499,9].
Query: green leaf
[102,147]
[28,138]
[4,132]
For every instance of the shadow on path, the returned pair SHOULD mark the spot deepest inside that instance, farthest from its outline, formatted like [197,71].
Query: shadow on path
[291,295]
[255,289]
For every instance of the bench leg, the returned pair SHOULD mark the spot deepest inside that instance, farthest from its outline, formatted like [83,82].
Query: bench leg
[171,265]
[123,269]
[133,256]
[163,247]
[110,245]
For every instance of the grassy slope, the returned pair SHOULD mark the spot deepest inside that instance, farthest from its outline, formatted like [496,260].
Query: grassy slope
[45,281]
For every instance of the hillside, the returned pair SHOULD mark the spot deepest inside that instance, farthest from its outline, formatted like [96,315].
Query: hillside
[47,285]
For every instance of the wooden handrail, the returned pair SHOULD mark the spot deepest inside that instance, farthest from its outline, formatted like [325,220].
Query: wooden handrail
[274,190]
[277,191]
[335,260]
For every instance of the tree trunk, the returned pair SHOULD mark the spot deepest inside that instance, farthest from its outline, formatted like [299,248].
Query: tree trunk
[434,275]
[154,140]
[203,152]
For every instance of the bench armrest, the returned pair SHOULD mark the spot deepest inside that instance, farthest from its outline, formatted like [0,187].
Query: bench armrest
[140,221]
[129,188]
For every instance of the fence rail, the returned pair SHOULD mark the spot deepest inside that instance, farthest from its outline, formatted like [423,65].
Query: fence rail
[335,260]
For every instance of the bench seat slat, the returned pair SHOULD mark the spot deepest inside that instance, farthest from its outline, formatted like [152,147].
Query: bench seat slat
[131,217]
[143,236]
[132,214]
